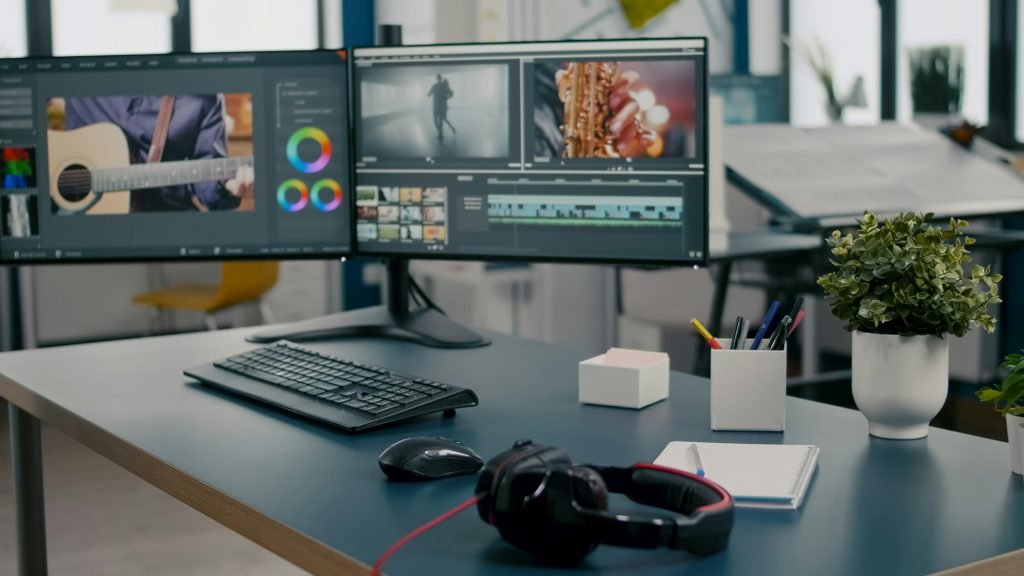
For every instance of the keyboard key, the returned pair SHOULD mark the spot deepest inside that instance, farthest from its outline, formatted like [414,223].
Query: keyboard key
[307,389]
[356,404]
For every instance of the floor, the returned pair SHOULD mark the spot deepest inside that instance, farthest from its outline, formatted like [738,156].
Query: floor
[102,520]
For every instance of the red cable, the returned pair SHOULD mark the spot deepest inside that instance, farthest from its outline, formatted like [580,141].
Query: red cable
[408,537]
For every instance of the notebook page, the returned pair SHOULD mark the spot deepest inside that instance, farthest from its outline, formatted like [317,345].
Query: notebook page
[762,471]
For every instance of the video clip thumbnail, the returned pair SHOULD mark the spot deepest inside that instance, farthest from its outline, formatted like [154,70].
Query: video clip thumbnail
[204,165]
[434,111]
[625,109]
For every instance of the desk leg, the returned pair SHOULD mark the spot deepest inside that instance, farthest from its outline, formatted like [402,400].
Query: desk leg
[27,473]
[702,363]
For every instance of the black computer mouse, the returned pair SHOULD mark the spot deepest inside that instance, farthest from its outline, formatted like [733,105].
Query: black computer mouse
[428,458]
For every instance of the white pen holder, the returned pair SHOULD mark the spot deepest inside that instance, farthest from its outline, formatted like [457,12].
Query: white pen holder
[748,388]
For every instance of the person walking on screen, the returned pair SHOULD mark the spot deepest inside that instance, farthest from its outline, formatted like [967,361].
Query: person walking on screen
[441,92]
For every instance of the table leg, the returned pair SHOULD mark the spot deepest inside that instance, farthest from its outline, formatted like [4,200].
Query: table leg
[27,475]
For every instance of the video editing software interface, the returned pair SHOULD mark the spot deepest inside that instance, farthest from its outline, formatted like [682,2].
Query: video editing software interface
[174,156]
[568,150]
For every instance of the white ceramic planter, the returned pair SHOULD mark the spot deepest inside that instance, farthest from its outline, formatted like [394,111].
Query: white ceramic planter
[1020,444]
[1015,434]
[899,382]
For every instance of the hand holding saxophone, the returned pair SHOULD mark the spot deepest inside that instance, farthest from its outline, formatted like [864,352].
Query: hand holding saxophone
[602,118]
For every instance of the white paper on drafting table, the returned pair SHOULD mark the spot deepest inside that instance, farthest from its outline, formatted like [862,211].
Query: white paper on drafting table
[840,171]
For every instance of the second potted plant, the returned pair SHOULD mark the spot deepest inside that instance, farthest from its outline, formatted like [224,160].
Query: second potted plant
[901,287]
[1008,399]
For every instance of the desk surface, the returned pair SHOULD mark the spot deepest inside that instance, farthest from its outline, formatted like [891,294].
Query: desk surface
[874,507]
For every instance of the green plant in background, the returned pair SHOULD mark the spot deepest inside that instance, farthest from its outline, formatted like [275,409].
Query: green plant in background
[904,276]
[937,79]
[1008,398]
[820,61]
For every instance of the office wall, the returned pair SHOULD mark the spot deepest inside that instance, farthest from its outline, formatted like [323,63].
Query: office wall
[93,302]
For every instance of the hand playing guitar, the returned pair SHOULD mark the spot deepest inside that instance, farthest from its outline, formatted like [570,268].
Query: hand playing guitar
[242,187]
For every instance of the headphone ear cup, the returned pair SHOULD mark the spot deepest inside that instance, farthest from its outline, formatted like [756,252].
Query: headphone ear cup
[548,524]
[589,488]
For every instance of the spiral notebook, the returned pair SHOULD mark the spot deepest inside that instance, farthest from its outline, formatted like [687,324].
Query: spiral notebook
[757,475]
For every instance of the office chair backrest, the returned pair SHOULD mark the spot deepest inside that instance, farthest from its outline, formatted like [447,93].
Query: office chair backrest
[243,281]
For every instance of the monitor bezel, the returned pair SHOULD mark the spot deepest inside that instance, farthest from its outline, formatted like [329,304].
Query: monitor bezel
[339,255]
[638,262]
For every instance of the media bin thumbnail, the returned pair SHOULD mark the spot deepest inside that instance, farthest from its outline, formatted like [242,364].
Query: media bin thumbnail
[17,168]
[19,216]
[617,109]
[434,111]
[105,155]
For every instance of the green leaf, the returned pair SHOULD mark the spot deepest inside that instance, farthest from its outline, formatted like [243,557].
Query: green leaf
[903,275]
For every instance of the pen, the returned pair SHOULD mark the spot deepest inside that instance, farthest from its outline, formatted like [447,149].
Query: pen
[696,460]
[739,335]
[796,306]
[778,339]
[704,332]
[796,322]
[768,317]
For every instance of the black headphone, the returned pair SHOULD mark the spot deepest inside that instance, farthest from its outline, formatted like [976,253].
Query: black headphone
[543,503]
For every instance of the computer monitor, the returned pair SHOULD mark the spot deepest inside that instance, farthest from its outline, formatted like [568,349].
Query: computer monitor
[589,151]
[583,151]
[173,157]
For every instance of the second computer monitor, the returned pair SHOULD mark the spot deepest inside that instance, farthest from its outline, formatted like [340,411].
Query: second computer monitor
[560,151]
[175,157]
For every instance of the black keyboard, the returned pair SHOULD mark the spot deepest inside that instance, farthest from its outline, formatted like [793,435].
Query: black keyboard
[347,394]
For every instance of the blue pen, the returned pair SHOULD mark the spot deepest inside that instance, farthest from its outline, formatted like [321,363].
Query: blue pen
[768,318]
[696,460]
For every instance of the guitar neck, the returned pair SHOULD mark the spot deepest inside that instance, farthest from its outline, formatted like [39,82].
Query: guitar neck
[174,173]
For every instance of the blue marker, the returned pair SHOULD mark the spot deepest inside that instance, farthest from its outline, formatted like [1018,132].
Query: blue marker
[768,318]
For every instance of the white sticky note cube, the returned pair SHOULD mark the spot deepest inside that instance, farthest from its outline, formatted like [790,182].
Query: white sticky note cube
[625,378]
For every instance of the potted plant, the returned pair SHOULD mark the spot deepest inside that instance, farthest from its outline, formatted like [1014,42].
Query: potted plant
[900,286]
[1008,399]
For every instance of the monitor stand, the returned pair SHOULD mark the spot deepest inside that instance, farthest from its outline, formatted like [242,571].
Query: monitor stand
[425,325]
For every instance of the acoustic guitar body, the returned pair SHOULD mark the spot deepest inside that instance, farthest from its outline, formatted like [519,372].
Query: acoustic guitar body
[75,154]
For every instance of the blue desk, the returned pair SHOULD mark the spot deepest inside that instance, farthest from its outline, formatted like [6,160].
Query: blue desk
[316,497]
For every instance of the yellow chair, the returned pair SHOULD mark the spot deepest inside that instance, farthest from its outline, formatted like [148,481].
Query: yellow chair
[240,282]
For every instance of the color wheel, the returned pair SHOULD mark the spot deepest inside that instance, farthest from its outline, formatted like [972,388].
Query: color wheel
[282,195]
[318,201]
[318,136]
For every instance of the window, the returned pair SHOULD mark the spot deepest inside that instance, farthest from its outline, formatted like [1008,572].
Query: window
[13,43]
[92,27]
[850,32]
[236,25]
[947,42]
[416,17]
[1019,132]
